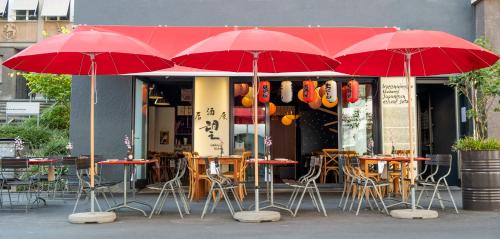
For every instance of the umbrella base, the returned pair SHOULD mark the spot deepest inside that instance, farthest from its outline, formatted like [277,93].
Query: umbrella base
[92,217]
[414,214]
[257,216]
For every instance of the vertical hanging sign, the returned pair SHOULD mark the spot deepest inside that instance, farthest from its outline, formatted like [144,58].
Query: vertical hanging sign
[211,115]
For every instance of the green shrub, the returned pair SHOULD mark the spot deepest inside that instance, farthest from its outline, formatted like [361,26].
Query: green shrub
[36,136]
[471,144]
[56,117]
[56,145]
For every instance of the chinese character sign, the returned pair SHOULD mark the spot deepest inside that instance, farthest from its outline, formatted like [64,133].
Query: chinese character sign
[211,115]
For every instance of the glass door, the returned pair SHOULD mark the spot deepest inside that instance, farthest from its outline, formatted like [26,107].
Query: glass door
[139,132]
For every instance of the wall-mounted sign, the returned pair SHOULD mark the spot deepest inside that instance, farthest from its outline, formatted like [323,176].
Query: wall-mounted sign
[394,104]
[22,108]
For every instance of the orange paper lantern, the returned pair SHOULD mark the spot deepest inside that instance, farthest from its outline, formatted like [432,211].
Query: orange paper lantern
[246,102]
[286,121]
[300,95]
[272,108]
[321,90]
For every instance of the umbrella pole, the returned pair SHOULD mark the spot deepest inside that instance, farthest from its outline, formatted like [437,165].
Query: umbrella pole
[92,100]
[413,212]
[410,128]
[255,84]
[256,215]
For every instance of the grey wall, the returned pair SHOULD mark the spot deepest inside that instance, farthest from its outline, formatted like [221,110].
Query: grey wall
[454,16]
[112,115]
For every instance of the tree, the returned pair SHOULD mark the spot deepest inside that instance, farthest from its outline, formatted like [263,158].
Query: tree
[481,88]
[54,87]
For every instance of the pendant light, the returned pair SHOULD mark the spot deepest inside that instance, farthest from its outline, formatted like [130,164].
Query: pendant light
[153,93]
[161,101]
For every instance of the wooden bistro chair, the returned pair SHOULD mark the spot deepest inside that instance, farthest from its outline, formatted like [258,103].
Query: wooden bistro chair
[395,173]
[330,164]
[193,174]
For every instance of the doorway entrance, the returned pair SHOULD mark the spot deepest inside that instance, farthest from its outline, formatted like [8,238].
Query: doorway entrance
[436,118]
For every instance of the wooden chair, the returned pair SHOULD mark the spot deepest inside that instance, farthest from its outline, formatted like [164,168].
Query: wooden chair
[330,164]
[395,173]
[242,174]
[193,174]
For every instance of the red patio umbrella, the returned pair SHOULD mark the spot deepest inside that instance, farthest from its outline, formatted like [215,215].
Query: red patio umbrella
[91,53]
[413,53]
[255,50]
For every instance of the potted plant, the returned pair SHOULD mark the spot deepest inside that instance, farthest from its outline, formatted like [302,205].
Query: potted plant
[480,155]
[480,173]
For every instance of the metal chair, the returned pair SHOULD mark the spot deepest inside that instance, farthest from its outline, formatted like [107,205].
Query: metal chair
[366,187]
[438,161]
[308,184]
[173,186]
[221,186]
[348,180]
[15,172]
[82,166]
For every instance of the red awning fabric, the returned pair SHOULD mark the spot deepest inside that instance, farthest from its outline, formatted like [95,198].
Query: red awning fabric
[171,40]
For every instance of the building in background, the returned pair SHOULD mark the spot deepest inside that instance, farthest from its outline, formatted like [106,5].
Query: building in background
[487,20]
[22,23]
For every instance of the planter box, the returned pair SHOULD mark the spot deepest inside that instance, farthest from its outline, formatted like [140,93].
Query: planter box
[481,180]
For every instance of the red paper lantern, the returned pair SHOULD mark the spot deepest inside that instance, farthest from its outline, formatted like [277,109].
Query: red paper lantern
[308,91]
[264,91]
[345,92]
[353,95]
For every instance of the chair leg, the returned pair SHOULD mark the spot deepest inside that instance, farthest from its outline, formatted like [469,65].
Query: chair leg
[382,201]
[228,201]
[300,200]
[432,198]
[320,199]
[207,202]
[163,201]
[216,200]
[237,199]
[420,194]
[440,199]
[182,194]
[176,201]
[156,204]
[451,196]
[360,198]
[313,199]
[78,196]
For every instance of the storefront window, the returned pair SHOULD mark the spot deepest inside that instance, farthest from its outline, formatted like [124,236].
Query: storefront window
[357,121]
[243,130]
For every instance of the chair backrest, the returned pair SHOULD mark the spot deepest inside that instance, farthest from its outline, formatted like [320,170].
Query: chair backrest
[68,161]
[439,159]
[82,163]
[402,152]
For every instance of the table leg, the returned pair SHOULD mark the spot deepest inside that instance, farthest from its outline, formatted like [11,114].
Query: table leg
[125,203]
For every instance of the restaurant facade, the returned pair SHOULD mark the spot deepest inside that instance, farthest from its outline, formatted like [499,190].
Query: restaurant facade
[184,109]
